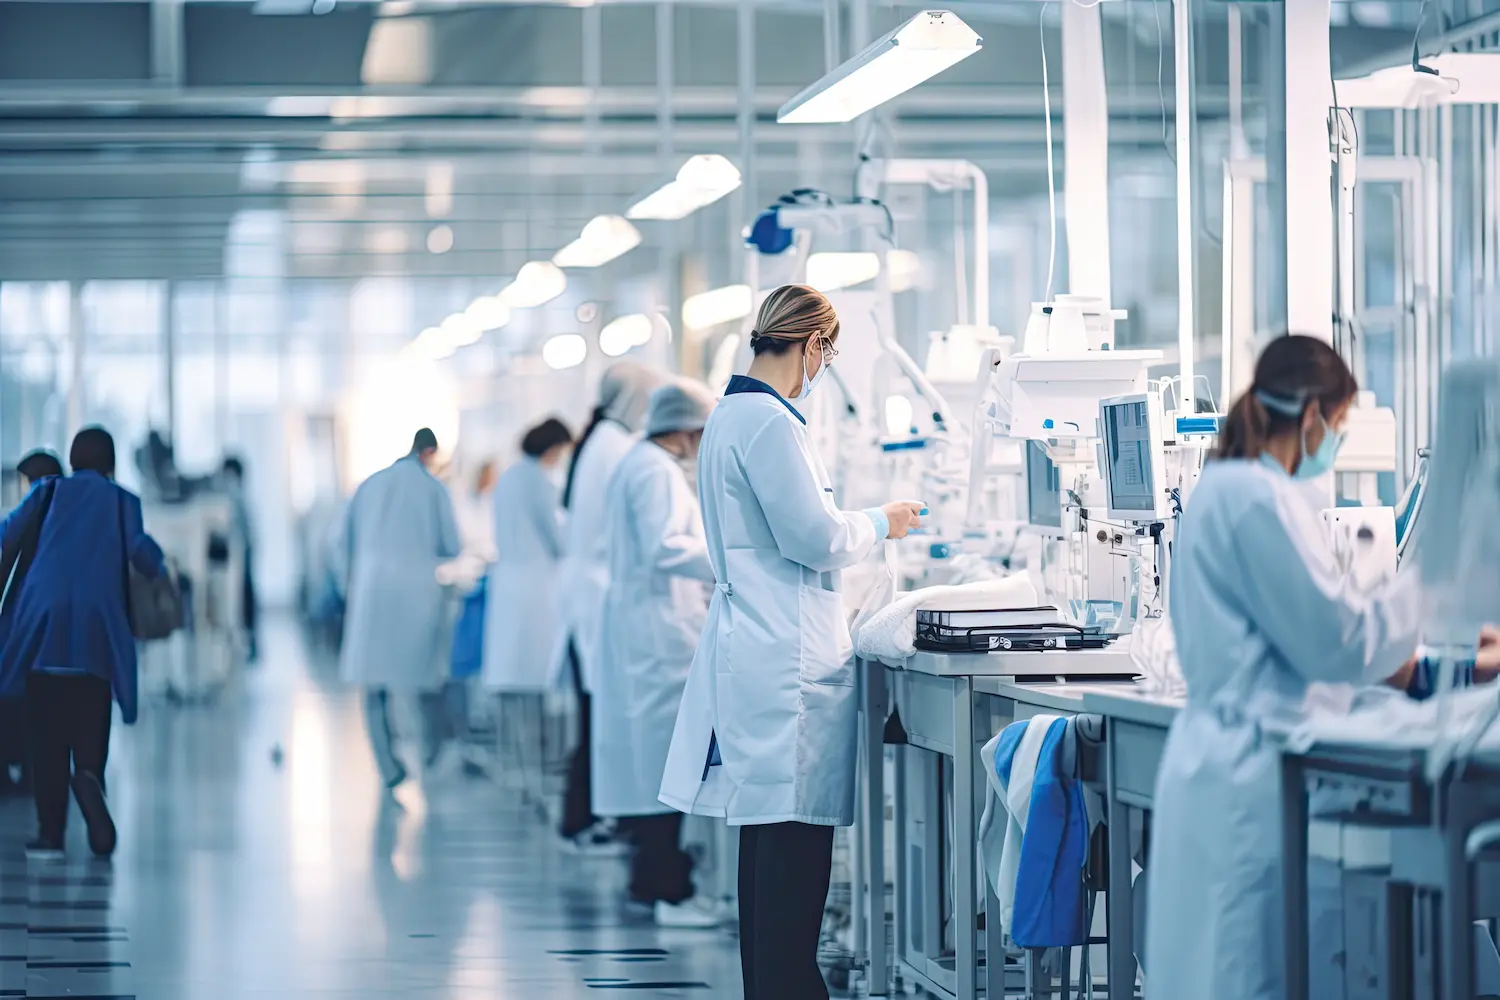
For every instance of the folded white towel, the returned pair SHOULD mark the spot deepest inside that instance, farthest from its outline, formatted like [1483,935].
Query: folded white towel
[889,635]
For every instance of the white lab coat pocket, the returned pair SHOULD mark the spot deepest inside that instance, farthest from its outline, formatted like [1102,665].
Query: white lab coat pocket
[827,651]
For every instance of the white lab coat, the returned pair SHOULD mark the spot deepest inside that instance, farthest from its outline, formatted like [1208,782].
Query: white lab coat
[521,609]
[660,579]
[1259,610]
[584,575]
[396,531]
[773,678]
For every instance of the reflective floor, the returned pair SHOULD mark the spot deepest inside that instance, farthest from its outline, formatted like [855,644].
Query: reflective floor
[244,872]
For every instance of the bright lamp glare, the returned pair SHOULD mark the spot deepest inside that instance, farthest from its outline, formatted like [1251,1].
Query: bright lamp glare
[460,330]
[565,351]
[721,305]
[701,181]
[602,240]
[488,313]
[537,283]
[905,268]
[898,410]
[620,335]
[916,51]
[432,344]
[829,272]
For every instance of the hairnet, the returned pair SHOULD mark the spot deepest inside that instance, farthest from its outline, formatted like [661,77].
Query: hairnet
[680,405]
[625,390]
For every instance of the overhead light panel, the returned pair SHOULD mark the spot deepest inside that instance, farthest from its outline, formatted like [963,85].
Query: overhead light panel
[566,350]
[602,240]
[537,283]
[432,344]
[440,239]
[624,333]
[487,313]
[829,272]
[701,181]
[460,330]
[721,305]
[916,51]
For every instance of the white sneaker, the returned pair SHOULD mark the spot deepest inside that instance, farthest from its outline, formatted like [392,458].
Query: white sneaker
[684,915]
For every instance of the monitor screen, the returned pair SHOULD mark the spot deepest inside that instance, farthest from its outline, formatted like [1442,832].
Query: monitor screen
[1043,503]
[1127,451]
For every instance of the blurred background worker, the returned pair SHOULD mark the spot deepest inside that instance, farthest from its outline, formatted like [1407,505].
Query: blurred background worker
[623,394]
[521,606]
[232,474]
[37,466]
[397,530]
[68,643]
[659,582]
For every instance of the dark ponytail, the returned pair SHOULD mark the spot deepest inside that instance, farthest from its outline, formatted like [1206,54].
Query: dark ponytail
[1291,373]
[595,419]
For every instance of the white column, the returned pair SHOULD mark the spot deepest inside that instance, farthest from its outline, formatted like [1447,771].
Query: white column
[1187,261]
[1085,150]
[76,341]
[1308,176]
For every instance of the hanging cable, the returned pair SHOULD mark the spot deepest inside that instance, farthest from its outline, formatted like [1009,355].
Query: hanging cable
[1161,76]
[1051,167]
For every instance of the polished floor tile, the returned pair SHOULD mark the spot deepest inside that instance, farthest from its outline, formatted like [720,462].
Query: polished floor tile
[259,859]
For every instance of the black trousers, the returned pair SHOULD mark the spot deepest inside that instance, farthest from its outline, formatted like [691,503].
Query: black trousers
[248,608]
[784,873]
[68,721]
[660,870]
[578,800]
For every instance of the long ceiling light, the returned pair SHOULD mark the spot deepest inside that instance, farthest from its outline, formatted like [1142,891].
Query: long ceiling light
[602,240]
[916,51]
[460,330]
[487,313]
[537,283]
[701,181]
[625,332]
[432,344]
[721,305]
[829,272]
[566,350]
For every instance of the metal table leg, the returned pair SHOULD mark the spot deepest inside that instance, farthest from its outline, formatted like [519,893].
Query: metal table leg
[1121,908]
[966,904]
[872,826]
[1294,876]
[1455,927]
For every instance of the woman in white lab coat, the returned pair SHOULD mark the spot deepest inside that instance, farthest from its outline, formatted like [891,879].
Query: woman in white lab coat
[623,392]
[521,606]
[659,582]
[1259,610]
[765,736]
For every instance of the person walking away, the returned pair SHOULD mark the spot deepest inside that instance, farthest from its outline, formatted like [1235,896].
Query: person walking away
[69,645]
[35,467]
[766,733]
[659,581]
[623,393]
[232,475]
[521,606]
[397,530]
[466,580]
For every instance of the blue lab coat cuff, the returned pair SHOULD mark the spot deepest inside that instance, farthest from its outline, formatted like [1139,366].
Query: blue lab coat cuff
[882,523]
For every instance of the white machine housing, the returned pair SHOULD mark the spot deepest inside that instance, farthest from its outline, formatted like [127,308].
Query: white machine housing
[1057,395]
[1144,452]
[1071,324]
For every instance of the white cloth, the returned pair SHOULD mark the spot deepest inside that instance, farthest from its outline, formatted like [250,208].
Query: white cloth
[889,635]
[1154,653]
[521,617]
[660,579]
[396,531]
[1259,610]
[773,678]
[1013,800]
[584,576]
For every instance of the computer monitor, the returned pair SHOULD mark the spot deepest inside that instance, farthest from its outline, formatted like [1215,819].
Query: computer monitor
[1043,489]
[1132,447]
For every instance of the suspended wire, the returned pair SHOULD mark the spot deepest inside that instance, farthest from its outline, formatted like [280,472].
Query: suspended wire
[1051,167]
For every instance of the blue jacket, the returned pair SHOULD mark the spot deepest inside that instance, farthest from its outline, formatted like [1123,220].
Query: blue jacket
[70,615]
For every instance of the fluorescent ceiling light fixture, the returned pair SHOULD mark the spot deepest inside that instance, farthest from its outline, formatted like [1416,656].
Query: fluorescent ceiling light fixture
[625,332]
[460,330]
[721,305]
[566,350]
[701,181]
[432,344]
[488,313]
[537,283]
[829,272]
[438,198]
[916,51]
[602,240]
[440,239]
[905,269]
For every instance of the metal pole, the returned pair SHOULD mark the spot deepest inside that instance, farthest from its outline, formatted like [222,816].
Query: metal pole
[76,408]
[1182,54]
[169,356]
[745,35]
[832,42]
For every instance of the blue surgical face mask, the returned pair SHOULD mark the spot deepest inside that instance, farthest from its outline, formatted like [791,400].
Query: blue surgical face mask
[809,384]
[1321,461]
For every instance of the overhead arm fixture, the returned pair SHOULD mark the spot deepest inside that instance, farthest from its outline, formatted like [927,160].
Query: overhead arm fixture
[916,51]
